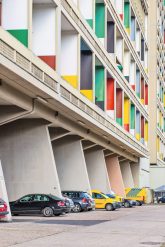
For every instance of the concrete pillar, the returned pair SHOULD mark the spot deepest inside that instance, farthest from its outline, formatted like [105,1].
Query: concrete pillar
[97,170]
[27,159]
[115,176]
[3,194]
[127,174]
[144,178]
[71,166]
[135,169]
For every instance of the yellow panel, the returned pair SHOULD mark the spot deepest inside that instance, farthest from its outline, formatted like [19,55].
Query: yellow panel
[126,110]
[138,137]
[142,101]
[164,99]
[158,144]
[88,94]
[146,132]
[128,30]
[71,79]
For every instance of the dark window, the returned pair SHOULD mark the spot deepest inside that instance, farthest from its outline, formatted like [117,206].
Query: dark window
[41,198]
[28,198]
[97,196]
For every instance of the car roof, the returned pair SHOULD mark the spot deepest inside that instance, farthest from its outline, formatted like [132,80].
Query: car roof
[77,191]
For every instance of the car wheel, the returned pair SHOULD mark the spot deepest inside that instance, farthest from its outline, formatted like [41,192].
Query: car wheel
[109,207]
[47,212]
[138,203]
[126,205]
[77,208]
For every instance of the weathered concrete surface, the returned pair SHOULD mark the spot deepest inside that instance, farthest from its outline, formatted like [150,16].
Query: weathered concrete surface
[137,227]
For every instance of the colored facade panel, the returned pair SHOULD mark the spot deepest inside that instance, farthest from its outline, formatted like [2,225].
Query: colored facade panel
[110,37]
[87,12]
[132,116]
[127,16]
[110,94]
[146,132]
[146,94]
[88,94]
[142,91]
[86,71]
[21,35]
[72,80]
[99,86]
[138,83]
[133,28]
[90,22]
[142,129]
[142,49]
[126,113]
[119,107]
[50,60]
[138,125]
[100,20]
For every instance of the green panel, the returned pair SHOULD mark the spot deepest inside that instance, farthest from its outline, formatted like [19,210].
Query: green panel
[90,22]
[138,94]
[100,20]
[99,83]
[21,35]
[127,15]
[120,67]
[132,116]
[119,121]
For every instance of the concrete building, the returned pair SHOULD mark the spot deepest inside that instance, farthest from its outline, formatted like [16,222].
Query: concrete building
[73,95]
[157,92]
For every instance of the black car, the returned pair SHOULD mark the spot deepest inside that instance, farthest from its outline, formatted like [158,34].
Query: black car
[161,199]
[82,200]
[48,205]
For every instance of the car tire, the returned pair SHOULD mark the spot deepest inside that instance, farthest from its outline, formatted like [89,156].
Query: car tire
[47,212]
[138,203]
[127,205]
[109,207]
[77,208]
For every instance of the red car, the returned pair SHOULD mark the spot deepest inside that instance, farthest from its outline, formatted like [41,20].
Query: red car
[3,208]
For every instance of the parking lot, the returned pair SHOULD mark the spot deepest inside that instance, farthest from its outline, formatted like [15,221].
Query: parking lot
[134,227]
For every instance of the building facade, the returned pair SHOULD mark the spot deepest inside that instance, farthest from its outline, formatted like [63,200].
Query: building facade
[157,93]
[74,95]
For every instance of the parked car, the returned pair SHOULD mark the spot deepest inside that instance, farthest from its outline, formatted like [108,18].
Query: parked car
[82,200]
[161,199]
[129,203]
[70,201]
[103,201]
[47,205]
[3,208]
[122,201]
[118,199]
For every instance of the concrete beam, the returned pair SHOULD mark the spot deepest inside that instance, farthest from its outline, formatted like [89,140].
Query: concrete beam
[27,159]
[97,170]
[57,133]
[127,174]
[71,166]
[115,176]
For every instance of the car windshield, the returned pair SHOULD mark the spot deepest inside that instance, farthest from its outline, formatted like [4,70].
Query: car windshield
[111,196]
[55,197]
[104,195]
[86,195]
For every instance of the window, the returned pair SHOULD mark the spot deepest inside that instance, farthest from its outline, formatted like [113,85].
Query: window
[97,196]
[41,198]
[28,198]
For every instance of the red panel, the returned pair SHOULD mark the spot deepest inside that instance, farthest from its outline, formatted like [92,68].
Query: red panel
[133,86]
[126,127]
[50,60]
[142,127]
[110,94]
[121,16]
[146,94]
[142,89]
[119,103]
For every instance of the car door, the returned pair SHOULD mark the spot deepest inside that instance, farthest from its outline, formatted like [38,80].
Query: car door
[39,202]
[100,200]
[23,205]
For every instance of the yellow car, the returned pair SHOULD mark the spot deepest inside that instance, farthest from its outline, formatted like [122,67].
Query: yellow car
[103,201]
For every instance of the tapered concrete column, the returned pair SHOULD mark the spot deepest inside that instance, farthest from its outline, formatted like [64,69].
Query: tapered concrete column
[3,195]
[27,159]
[71,166]
[135,169]
[127,174]
[115,176]
[97,170]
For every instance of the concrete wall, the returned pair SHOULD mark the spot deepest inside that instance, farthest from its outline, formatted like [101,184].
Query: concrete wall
[115,176]
[157,176]
[127,174]
[97,170]
[27,159]
[135,169]
[144,176]
[71,166]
